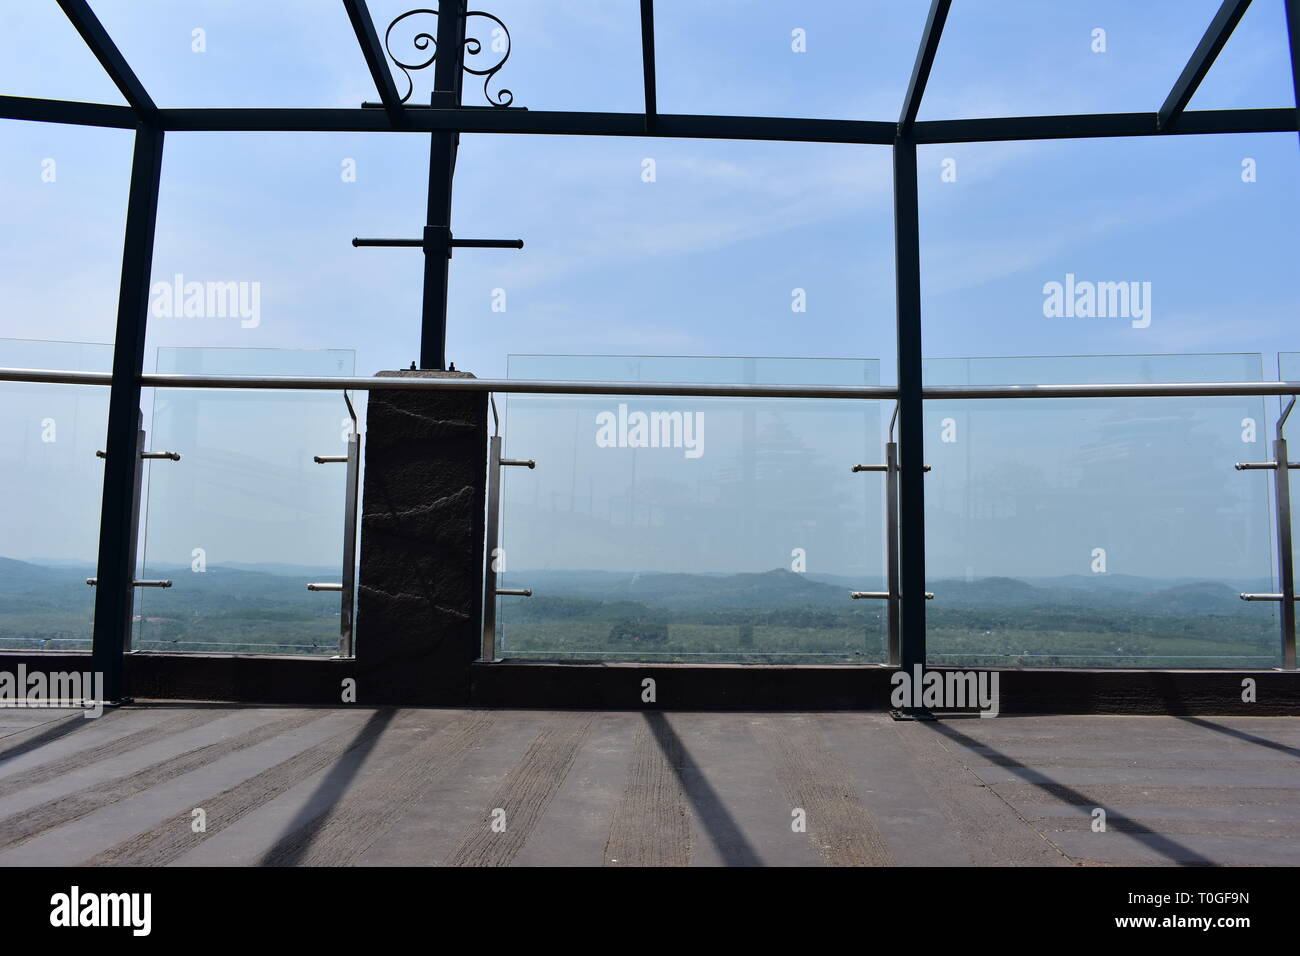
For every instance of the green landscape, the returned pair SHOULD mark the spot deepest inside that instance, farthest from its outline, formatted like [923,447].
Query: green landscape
[770,617]
[783,617]
[244,609]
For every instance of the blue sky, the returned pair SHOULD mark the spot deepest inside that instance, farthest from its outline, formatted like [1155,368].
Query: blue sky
[704,260]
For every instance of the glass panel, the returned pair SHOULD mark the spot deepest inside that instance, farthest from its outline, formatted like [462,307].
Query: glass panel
[735,535]
[1098,532]
[695,369]
[48,463]
[246,519]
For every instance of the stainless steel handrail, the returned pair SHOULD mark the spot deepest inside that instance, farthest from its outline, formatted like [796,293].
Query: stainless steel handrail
[1118,390]
[137,583]
[550,387]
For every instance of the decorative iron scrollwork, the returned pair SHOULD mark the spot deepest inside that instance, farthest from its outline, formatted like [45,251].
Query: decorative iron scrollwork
[421,41]
[473,48]
[497,46]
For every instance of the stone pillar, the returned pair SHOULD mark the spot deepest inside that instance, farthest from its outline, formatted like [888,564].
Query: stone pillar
[420,596]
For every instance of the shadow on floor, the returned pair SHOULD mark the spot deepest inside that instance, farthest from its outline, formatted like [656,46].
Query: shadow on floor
[726,835]
[292,846]
[1172,850]
[1242,735]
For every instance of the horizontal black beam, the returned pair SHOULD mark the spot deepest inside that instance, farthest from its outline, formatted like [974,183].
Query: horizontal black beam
[404,243]
[455,243]
[731,127]
[487,243]
[1085,126]
[470,120]
[109,56]
[1088,126]
[1220,29]
[67,111]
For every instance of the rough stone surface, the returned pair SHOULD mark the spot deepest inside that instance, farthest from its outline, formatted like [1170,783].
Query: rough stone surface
[384,786]
[420,600]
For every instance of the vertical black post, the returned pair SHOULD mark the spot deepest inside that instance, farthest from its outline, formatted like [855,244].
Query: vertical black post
[648,63]
[911,483]
[114,592]
[447,81]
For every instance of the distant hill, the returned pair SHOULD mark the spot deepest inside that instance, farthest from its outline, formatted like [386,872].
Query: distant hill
[988,591]
[1201,596]
[218,589]
[227,588]
[782,614]
[680,592]
[783,588]
[19,576]
[315,572]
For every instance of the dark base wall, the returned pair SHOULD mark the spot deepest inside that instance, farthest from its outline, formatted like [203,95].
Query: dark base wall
[763,687]
[284,680]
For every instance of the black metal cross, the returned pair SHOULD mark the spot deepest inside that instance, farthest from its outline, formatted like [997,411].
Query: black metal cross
[437,240]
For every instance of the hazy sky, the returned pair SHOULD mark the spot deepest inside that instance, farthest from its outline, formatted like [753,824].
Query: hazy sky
[705,259]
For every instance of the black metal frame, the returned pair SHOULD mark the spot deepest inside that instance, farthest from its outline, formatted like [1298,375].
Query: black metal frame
[446,118]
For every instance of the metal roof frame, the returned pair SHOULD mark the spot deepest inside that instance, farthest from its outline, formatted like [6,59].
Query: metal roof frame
[393,116]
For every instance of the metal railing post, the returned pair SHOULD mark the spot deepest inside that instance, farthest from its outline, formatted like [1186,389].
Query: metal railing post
[891,544]
[347,610]
[492,540]
[893,594]
[134,543]
[488,651]
[1285,562]
[1281,466]
[351,496]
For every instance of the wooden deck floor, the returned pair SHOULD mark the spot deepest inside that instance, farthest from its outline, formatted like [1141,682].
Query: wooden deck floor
[366,786]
